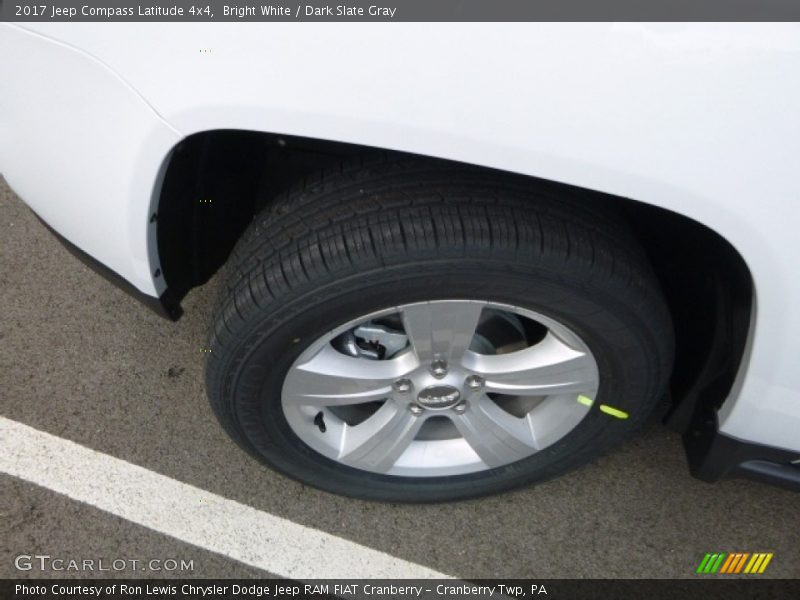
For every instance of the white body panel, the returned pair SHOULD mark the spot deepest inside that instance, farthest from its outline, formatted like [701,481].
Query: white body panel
[82,148]
[701,119]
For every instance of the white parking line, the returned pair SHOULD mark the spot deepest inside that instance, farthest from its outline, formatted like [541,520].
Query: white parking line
[188,513]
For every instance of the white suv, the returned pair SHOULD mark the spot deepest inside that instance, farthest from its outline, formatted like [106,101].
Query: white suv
[457,258]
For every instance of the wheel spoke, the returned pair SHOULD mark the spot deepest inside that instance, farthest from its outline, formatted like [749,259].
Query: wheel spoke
[441,330]
[330,378]
[549,367]
[378,442]
[555,417]
[496,436]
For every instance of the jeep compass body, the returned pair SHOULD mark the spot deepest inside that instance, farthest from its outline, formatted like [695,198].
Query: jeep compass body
[453,259]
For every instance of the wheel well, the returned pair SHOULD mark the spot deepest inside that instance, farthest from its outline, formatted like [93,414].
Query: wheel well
[217,181]
[214,184]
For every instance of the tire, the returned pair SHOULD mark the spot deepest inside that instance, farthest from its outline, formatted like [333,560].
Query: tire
[388,232]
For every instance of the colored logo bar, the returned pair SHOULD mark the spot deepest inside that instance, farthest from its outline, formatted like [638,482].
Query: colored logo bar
[734,562]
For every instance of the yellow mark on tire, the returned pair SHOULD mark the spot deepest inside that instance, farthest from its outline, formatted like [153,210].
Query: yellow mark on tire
[609,410]
[614,412]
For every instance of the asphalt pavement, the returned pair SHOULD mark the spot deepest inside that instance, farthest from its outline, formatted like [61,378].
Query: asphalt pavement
[82,361]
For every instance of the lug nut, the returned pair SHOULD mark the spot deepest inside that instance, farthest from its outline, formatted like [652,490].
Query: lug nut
[438,369]
[402,386]
[415,409]
[460,408]
[474,382]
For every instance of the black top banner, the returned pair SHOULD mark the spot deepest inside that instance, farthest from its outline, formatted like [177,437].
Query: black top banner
[401,10]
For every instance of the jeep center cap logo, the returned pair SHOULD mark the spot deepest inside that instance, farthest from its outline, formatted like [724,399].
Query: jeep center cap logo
[439,397]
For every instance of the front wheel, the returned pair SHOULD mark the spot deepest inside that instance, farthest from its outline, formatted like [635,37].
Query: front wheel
[407,334]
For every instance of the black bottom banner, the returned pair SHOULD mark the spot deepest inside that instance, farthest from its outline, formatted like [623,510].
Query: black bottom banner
[400,589]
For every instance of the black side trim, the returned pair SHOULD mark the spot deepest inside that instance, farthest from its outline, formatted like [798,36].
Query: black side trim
[713,456]
[164,306]
[787,476]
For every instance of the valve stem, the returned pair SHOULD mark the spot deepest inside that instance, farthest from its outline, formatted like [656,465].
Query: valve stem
[319,421]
